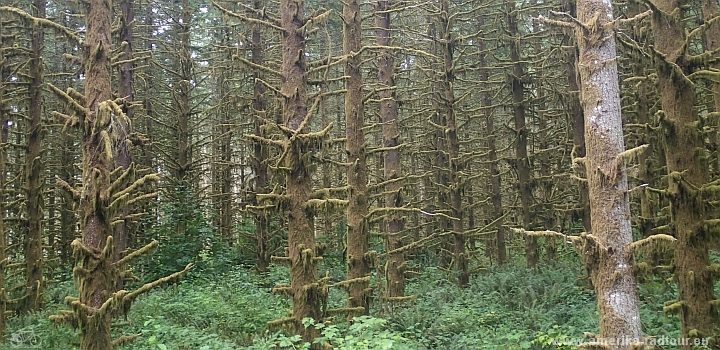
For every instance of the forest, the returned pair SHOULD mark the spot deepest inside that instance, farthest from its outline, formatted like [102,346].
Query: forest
[349,174]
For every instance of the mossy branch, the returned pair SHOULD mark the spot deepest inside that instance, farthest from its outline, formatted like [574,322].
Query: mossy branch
[43,22]
[274,324]
[146,196]
[312,20]
[125,339]
[75,106]
[138,183]
[346,311]
[346,284]
[630,155]
[69,189]
[136,254]
[654,242]
[246,18]
[130,297]
[410,246]
[673,306]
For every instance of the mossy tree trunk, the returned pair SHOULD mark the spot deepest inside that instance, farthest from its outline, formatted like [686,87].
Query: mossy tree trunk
[4,72]
[34,168]
[498,247]
[522,162]
[123,157]
[98,281]
[394,222]
[609,244]
[712,42]
[687,171]
[454,164]
[305,288]
[260,150]
[582,210]
[358,260]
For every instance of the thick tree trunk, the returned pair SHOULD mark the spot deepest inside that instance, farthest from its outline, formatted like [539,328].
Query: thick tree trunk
[607,180]
[358,263]
[687,171]
[97,283]
[33,169]
[304,286]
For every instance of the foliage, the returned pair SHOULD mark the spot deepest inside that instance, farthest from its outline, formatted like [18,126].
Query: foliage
[198,244]
[510,307]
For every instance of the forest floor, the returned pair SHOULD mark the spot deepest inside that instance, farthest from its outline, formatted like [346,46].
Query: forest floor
[505,307]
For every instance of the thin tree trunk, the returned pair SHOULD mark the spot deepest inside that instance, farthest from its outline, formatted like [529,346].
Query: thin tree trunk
[522,162]
[34,169]
[123,157]
[358,263]
[582,211]
[394,273]
[492,164]
[454,163]
[4,117]
[262,260]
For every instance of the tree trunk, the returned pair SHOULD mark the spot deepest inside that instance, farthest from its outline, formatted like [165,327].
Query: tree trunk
[4,117]
[394,273]
[582,211]
[454,163]
[97,283]
[498,243]
[522,162]
[358,263]
[712,42]
[687,171]
[305,288]
[123,157]
[262,229]
[607,180]
[34,169]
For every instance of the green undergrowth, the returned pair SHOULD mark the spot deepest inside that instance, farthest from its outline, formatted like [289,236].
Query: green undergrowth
[508,307]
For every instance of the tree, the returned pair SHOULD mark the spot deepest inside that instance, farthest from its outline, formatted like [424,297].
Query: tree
[33,167]
[358,259]
[611,238]
[104,192]
[394,223]
[687,168]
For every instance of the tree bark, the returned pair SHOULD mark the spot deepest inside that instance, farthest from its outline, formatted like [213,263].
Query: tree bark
[608,246]
[522,162]
[498,243]
[123,157]
[261,153]
[394,223]
[305,288]
[358,263]
[687,171]
[34,169]
[98,283]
